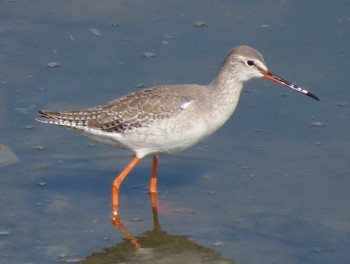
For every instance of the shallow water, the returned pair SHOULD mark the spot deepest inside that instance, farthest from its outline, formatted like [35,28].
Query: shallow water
[272,186]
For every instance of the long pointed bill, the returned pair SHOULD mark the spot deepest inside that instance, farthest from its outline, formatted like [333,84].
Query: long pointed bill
[275,78]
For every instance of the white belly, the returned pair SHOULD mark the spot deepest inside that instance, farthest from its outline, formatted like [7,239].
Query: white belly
[160,138]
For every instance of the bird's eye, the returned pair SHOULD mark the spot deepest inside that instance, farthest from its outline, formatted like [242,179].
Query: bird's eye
[250,62]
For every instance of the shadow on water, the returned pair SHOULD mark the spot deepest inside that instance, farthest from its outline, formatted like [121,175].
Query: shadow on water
[155,246]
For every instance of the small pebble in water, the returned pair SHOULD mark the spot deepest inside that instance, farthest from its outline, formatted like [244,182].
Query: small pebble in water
[52,65]
[341,104]
[7,157]
[171,35]
[218,244]
[5,233]
[317,250]
[115,24]
[25,110]
[40,148]
[199,24]
[149,55]
[96,31]
[140,85]
[318,124]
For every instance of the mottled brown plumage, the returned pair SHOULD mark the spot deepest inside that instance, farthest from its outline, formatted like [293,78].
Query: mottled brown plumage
[135,110]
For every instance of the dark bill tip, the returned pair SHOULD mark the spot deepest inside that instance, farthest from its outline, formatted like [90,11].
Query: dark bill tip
[312,96]
[277,79]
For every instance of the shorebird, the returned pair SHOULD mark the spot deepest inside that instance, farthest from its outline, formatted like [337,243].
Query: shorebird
[168,118]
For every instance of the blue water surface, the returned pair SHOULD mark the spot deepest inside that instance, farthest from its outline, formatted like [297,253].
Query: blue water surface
[272,186]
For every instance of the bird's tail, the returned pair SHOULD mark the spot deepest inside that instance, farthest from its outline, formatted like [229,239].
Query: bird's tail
[66,119]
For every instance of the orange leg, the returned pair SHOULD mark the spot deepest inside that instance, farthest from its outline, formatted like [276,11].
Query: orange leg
[153,184]
[116,185]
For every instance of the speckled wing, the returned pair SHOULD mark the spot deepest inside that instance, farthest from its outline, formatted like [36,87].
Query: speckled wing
[124,114]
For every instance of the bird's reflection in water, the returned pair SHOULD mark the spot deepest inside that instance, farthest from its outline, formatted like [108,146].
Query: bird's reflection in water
[155,246]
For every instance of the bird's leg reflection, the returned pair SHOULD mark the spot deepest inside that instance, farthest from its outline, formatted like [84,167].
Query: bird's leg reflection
[153,194]
[127,234]
[156,226]
[154,202]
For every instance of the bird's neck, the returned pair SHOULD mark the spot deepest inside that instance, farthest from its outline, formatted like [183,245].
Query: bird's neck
[224,92]
[226,87]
